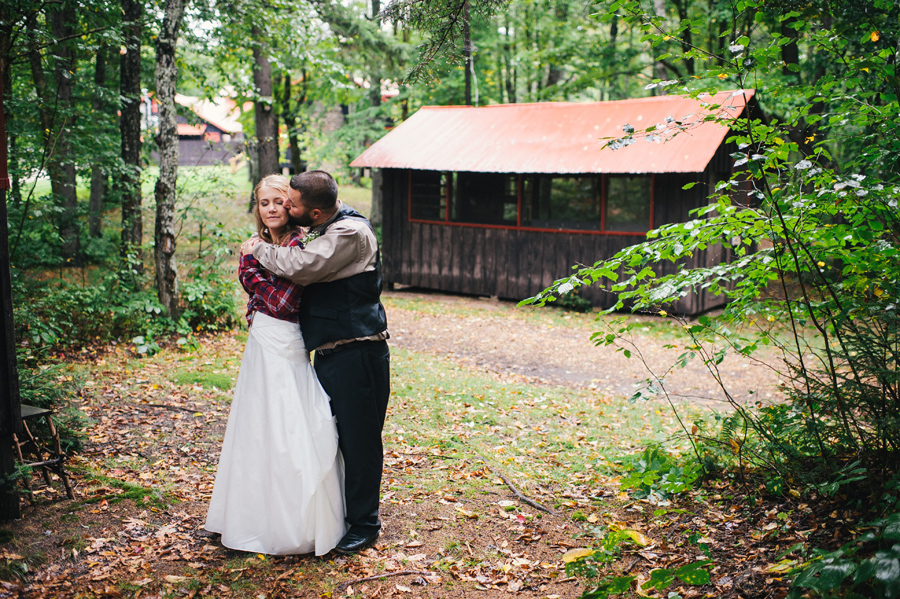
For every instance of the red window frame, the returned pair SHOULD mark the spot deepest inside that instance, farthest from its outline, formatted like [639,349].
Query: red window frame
[518,226]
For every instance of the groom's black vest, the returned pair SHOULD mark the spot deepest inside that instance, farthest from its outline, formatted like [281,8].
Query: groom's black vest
[343,309]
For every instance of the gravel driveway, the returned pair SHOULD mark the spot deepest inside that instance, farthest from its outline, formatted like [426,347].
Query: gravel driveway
[547,345]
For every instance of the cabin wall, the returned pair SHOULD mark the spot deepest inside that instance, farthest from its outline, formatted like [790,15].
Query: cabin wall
[516,264]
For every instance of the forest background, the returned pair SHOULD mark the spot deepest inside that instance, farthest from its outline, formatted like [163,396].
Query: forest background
[822,166]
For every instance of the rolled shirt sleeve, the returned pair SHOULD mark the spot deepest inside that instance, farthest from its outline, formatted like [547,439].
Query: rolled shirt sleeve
[346,248]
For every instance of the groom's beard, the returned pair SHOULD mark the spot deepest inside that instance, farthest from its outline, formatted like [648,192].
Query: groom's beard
[300,221]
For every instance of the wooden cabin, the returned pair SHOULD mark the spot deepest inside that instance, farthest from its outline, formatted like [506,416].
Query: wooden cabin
[503,200]
[210,133]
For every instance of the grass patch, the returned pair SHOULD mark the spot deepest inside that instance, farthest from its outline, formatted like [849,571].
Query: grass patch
[539,433]
[115,491]
[207,380]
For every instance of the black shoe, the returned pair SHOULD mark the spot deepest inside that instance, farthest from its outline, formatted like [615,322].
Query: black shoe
[354,542]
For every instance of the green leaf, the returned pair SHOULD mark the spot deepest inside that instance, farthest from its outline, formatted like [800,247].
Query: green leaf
[694,574]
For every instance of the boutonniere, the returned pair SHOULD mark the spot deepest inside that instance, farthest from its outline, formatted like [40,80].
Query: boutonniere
[310,236]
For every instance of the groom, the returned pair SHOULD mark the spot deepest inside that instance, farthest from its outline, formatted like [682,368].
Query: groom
[342,318]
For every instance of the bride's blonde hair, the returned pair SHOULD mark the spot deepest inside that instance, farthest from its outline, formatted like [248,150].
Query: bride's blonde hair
[278,183]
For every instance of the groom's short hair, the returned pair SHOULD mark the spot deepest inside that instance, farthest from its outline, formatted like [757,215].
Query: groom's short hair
[317,189]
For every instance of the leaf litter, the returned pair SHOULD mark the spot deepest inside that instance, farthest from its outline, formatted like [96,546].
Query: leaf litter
[462,436]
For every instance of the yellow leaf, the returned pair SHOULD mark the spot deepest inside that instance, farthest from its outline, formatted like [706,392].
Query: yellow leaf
[778,141]
[783,566]
[663,313]
[573,554]
[593,518]
[637,537]
[172,578]
[723,76]
[809,139]
[820,264]
[735,446]
[794,492]
[874,36]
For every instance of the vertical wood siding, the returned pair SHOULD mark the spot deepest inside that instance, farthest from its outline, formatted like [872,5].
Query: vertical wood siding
[515,264]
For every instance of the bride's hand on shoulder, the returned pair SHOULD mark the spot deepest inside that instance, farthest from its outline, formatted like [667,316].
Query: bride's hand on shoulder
[247,246]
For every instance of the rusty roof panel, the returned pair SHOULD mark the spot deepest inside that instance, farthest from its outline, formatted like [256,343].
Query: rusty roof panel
[556,137]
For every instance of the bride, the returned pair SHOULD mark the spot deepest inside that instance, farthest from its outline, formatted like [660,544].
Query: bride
[278,486]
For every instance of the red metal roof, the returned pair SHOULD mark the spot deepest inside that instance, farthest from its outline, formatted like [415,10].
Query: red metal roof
[556,137]
[191,130]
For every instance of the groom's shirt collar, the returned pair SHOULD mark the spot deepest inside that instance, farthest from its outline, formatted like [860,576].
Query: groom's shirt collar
[323,226]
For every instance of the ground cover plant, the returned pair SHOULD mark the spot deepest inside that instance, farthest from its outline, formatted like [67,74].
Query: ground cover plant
[811,215]
[460,431]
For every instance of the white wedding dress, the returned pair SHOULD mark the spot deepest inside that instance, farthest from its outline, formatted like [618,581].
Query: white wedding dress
[279,483]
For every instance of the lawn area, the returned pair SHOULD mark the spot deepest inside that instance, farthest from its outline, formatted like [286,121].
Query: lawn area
[490,479]
[212,201]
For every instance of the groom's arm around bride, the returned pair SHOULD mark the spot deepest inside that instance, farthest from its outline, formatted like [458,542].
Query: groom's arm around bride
[342,318]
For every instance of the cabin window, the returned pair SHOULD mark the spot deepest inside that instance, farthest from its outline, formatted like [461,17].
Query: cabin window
[428,195]
[561,202]
[485,199]
[628,201]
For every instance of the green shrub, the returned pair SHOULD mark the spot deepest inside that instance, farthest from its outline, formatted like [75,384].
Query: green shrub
[845,574]
[656,476]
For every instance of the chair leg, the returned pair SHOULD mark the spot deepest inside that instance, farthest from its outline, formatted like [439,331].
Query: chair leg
[25,479]
[62,458]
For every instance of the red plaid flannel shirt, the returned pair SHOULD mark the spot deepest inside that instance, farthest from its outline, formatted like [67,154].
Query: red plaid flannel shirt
[271,295]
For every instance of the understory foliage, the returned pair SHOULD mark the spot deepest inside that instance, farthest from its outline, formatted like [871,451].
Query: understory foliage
[816,271]
[811,220]
[118,305]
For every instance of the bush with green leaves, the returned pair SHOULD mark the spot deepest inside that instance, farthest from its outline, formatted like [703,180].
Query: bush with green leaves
[53,387]
[846,574]
[813,226]
[657,476]
[590,564]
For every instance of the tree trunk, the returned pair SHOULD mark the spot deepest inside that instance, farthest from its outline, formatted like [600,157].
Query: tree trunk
[167,144]
[290,123]
[467,49]
[266,133]
[659,69]
[130,130]
[98,177]
[509,71]
[10,407]
[61,167]
[375,215]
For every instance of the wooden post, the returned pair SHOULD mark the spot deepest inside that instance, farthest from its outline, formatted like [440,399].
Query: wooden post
[10,409]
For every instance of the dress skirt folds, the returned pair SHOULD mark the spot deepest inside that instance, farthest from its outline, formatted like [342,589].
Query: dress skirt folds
[279,483]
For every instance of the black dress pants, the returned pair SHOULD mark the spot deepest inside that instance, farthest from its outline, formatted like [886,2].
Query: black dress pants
[357,379]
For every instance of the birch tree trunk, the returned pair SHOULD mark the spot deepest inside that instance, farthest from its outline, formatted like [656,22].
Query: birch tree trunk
[167,144]
[98,176]
[130,129]
[263,109]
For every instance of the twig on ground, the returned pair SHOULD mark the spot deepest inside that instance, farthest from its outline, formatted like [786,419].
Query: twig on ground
[513,488]
[162,405]
[340,588]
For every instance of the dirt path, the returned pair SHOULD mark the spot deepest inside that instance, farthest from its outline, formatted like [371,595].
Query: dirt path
[454,528]
[549,346]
